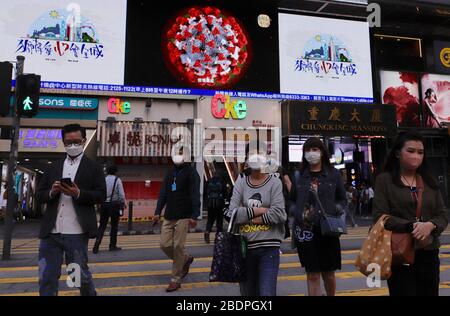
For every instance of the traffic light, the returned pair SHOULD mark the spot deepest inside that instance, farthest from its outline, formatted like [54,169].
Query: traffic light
[5,87]
[28,91]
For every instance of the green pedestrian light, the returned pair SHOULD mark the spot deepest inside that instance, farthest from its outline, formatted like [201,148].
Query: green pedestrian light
[28,92]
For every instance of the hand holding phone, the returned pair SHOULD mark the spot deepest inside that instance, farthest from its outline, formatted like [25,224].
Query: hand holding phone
[66,181]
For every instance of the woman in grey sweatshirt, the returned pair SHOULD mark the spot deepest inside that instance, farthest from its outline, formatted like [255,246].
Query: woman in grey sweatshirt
[260,216]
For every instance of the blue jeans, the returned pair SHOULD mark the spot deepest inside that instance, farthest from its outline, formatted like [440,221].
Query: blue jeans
[262,272]
[51,251]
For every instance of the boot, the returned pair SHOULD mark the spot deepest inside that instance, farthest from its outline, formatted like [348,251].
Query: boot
[96,248]
[207,240]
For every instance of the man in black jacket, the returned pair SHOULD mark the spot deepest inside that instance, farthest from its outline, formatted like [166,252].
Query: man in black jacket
[70,188]
[180,193]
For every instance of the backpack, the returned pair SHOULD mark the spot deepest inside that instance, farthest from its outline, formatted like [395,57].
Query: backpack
[215,196]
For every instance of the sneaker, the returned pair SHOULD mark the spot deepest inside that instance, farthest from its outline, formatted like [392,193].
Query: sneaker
[207,240]
[173,286]
[114,248]
[187,266]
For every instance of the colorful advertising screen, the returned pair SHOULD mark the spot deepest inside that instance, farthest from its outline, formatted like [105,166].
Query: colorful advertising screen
[436,100]
[402,90]
[66,41]
[206,45]
[325,58]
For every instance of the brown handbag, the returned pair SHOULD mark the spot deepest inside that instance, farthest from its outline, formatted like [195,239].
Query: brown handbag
[402,244]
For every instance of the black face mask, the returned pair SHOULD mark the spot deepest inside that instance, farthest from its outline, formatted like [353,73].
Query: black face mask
[248,172]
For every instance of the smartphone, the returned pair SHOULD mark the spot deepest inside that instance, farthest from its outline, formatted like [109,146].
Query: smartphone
[66,181]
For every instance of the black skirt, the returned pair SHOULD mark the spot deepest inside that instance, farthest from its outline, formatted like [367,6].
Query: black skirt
[318,253]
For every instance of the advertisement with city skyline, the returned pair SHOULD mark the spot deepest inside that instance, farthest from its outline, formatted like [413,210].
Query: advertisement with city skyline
[64,41]
[325,57]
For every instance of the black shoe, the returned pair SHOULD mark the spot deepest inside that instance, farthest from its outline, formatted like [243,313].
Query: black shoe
[95,249]
[114,248]
[207,240]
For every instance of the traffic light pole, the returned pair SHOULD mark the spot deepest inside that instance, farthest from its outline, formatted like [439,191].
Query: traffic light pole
[12,166]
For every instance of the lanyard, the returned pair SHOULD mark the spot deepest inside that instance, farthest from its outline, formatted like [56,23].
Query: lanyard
[176,173]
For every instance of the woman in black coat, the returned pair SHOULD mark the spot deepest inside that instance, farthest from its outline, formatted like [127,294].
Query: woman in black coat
[320,255]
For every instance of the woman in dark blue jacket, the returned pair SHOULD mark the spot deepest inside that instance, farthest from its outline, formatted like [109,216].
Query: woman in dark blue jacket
[320,255]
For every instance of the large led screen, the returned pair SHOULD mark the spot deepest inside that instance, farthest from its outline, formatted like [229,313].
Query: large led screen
[436,100]
[322,57]
[402,90]
[206,45]
[79,41]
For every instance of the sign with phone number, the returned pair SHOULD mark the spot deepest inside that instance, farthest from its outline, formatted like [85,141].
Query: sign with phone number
[198,92]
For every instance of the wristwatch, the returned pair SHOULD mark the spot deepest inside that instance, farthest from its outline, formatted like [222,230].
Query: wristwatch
[435,226]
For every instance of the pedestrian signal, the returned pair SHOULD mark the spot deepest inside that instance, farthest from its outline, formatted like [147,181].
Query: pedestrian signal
[28,92]
[5,88]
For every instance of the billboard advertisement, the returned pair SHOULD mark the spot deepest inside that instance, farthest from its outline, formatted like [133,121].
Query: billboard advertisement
[436,100]
[325,58]
[207,45]
[66,41]
[402,90]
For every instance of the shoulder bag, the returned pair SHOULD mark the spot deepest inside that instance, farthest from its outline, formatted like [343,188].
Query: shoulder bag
[229,259]
[402,244]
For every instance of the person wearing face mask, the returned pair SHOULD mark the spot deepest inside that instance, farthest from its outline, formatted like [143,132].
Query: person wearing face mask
[180,195]
[320,255]
[405,181]
[258,205]
[71,188]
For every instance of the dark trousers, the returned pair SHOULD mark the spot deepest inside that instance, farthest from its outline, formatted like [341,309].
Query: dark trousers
[51,251]
[262,272]
[350,212]
[105,215]
[215,215]
[420,279]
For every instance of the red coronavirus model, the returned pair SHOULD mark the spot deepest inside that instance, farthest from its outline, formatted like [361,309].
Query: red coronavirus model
[206,48]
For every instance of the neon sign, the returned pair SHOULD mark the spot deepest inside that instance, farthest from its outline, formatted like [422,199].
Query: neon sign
[116,106]
[40,138]
[237,110]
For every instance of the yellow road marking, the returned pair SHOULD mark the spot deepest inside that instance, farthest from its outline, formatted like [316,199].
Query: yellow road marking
[110,275]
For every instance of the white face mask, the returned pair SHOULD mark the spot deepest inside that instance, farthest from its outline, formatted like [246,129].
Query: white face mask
[74,150]
[178,160]
[313,157]
[257,162]
[272,165]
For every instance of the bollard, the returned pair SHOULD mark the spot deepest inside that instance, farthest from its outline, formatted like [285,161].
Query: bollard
[130,216]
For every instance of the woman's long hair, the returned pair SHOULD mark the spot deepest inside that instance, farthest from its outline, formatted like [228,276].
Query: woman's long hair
[315,142]
[392,165]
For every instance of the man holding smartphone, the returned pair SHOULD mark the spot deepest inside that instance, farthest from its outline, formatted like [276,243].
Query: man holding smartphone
[71,188]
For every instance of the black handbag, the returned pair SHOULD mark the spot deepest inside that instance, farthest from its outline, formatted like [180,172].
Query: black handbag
[114,208]
[229,259]
[332,226]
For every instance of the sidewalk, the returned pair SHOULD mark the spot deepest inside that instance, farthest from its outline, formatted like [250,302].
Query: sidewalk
[30,228]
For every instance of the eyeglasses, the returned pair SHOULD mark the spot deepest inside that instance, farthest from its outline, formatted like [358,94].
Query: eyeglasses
[76,142]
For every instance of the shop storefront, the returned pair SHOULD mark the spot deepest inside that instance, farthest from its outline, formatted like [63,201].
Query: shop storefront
[355,134]
[138,135]
[40,144]
[229,124]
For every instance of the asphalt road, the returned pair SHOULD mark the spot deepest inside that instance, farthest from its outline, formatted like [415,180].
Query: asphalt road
[141,269]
